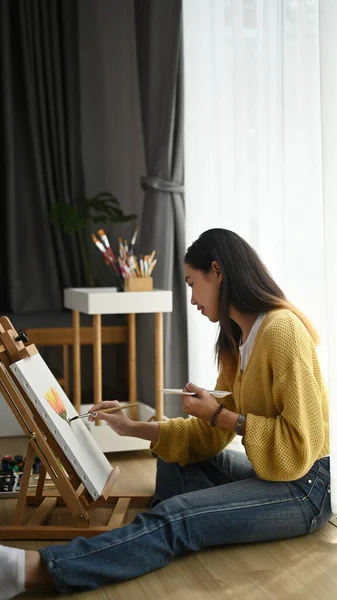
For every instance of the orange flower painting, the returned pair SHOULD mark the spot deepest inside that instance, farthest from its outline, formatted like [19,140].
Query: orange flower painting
[55,401]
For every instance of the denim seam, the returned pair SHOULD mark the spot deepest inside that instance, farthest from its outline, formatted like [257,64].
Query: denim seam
[316,517]
[57,571]
[176,520]
[315,478]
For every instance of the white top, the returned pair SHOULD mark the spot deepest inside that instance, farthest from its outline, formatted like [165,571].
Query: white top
[107,301]
[246,348]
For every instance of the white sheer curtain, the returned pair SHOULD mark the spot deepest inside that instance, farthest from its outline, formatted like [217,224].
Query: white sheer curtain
[253,150]
[328,53]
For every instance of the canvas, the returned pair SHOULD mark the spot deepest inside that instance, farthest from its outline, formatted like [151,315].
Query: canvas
[55,408]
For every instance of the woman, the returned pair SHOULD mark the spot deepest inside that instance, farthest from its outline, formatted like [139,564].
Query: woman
[205,497]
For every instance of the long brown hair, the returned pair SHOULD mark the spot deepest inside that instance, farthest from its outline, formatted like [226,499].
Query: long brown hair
[246,285]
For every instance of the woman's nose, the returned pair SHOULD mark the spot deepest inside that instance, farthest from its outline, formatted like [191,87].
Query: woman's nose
[193,301]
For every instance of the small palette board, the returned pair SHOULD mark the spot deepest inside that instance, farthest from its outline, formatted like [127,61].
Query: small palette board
[214,393]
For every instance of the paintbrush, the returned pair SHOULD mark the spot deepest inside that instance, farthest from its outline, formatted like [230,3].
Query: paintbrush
[113,259]
[133,241]
[107,255]
[104,410]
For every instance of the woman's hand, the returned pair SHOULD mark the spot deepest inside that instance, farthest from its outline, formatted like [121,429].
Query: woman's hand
[202,405]
[118,421]
[121,424]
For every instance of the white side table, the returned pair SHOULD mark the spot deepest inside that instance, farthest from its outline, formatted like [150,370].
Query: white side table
[98,301]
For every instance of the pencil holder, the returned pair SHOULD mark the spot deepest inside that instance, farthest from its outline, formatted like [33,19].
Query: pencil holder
[138,284]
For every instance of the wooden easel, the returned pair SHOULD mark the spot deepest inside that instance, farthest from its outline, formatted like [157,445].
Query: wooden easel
[69,490]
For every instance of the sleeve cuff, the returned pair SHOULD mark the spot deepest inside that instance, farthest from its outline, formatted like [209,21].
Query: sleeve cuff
[167,431]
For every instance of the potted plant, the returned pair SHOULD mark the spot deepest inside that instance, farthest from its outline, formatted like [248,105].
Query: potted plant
[76,218]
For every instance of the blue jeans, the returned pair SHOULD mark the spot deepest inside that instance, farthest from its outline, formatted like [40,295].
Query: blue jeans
[216,502]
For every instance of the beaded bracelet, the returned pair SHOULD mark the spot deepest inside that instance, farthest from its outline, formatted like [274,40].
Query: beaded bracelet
[215,416]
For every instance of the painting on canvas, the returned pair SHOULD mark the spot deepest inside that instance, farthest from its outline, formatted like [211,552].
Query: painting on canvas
[55,408]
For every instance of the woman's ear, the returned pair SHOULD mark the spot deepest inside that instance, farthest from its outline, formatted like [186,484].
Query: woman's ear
[216,270]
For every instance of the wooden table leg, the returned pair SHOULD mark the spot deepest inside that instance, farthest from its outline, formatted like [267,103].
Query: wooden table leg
[66,368]
[77,360]
[132,364]
[97,361]
[159,363]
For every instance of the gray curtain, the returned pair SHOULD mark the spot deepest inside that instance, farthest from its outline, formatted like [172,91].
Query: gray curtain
[159,56]
[40,151]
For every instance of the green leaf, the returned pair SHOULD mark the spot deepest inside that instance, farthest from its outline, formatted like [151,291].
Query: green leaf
[104,197]
[102,208]
[99,219]
[69,218]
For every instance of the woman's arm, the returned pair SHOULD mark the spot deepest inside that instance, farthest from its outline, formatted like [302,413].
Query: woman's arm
[175,440]
[124,426]
[186,441]
[145,431]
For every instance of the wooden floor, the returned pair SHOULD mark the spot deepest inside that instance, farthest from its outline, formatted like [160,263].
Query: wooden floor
[298,569]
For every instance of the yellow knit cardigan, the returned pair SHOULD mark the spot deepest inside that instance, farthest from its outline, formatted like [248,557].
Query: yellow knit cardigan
[283,394]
